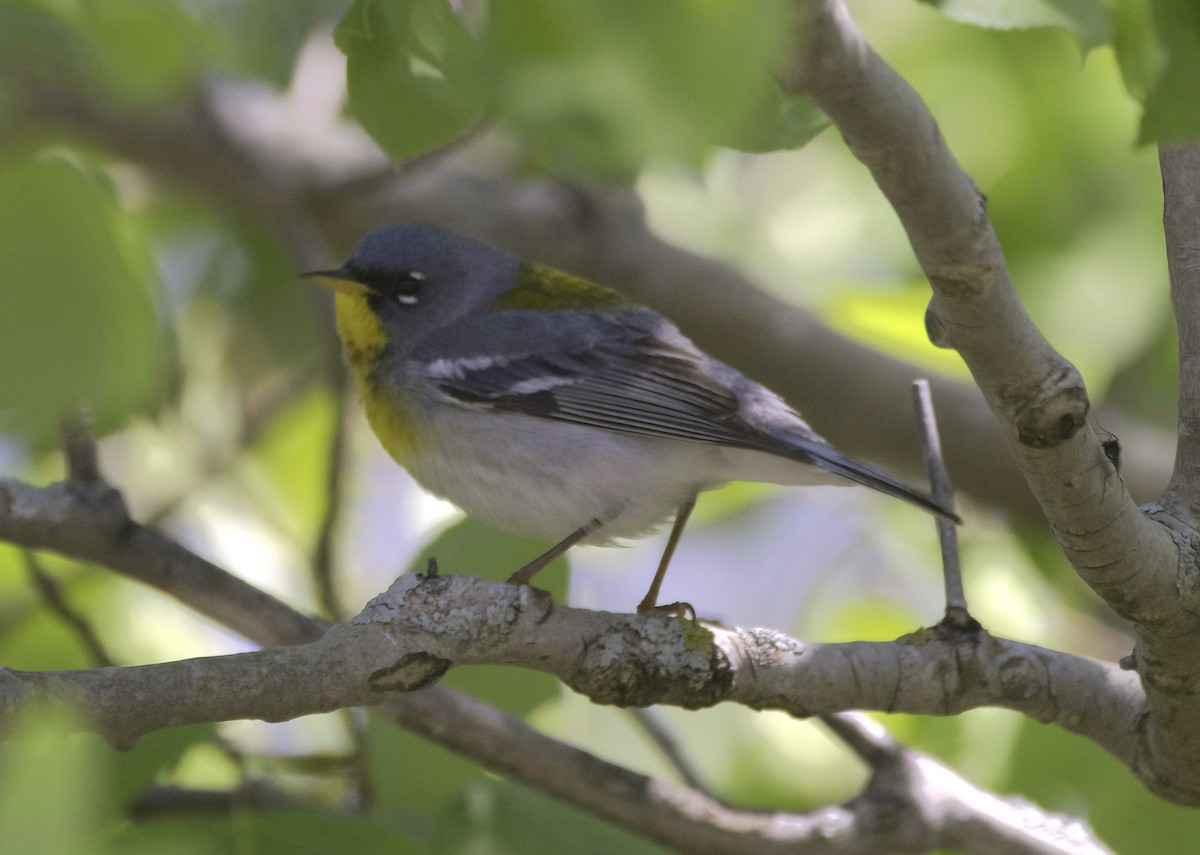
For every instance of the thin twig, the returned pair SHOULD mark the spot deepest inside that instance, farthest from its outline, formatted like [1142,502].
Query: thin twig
[865,737]
[669,747]
[79,445]
[52,595]
[943,494]
[166,801]
[360,760]
[323,560]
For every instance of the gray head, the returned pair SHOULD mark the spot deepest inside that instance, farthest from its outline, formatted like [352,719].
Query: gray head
[418,278]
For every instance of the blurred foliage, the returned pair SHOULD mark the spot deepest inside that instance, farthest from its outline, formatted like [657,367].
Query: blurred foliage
[78,313]
[587,86]
[177,319]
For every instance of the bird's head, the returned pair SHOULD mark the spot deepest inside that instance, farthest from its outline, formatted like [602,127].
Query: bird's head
[407,281]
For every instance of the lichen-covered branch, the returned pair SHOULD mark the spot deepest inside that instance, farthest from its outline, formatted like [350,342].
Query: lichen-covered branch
[408,636]
[368,662]
[1141,563]
[1180,163]
[1038,396]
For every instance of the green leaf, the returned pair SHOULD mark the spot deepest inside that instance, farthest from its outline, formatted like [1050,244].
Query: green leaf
[602,86]
[276,832]
[1135,41]
[146,51]
[410,774]
[153,759]
[50,803]
[894,321]
[294,453]
[262,39]
[78,323]
[413,72]
[504,819]
[1170,105]
[1085,20]
[1067,773]
[786,122]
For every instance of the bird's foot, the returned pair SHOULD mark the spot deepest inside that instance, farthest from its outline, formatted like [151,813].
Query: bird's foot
[679,610]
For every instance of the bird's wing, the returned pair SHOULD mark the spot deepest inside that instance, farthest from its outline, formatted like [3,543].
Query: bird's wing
[638,376]
[632,372]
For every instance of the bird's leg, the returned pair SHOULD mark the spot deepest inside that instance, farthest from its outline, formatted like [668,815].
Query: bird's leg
[522,576]
[649,602]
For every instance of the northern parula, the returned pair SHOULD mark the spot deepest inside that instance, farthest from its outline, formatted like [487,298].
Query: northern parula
[553,407]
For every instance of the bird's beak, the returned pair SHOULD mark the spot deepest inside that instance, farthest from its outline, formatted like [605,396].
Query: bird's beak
[338,280]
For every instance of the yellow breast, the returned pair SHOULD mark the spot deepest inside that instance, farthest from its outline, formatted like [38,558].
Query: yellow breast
[364,341]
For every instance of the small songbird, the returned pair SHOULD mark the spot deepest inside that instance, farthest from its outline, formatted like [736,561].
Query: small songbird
[553,407]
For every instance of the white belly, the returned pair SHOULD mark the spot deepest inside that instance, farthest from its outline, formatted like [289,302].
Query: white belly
[547,478]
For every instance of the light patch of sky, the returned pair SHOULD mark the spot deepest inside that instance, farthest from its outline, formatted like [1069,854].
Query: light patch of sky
[388,521]
[760,566]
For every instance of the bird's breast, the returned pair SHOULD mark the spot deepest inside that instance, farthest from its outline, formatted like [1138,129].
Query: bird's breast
[545,479]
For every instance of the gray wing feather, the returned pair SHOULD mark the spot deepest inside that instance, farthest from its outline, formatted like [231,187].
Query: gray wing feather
[640,376]
[635,373]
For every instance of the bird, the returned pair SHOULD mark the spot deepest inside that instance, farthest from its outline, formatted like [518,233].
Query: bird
[552,406]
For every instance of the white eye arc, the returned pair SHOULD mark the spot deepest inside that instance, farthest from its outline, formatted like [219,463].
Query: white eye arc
[412,279]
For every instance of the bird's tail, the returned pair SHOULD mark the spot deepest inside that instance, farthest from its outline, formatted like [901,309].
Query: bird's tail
[831,460]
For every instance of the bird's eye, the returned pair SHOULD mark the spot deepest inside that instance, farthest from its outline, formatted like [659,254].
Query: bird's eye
[408,286]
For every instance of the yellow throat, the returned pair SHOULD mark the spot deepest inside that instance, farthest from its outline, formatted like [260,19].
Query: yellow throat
[363,342]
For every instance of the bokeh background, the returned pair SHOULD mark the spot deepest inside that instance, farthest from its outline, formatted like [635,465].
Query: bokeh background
[176,315]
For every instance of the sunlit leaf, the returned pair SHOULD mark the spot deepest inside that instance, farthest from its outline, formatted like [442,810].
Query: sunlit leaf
[274,832]
[504,819]
[53,798]
[78,323]
[1073,775]
[414,73]
[785,122]
[603,86]
[1170,103]
[294,452]
[893,321]
[146,50]
[411,774]
[1085,20]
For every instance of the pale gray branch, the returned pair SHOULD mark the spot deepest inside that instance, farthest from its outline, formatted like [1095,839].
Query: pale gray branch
[1038,396]
[414,631]
[407,637]
[93,525]
[1168,646]
[1180,163]
[1129,557]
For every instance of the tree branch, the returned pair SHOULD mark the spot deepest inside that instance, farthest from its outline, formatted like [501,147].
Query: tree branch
[1132,560]
[408,636]
[1038,396]
[997,829]
[411,633]
[271,683]
[1180,164]
[603,235]
[1144,566]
